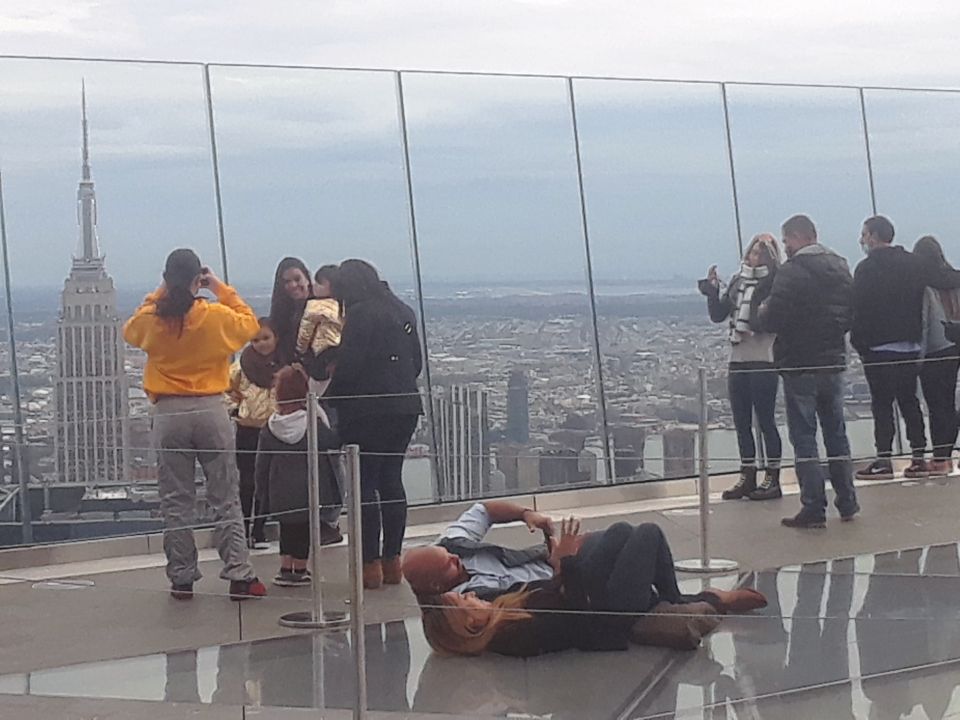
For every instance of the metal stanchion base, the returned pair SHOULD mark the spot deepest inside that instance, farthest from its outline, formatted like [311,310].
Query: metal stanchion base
[714,565]
[305,619]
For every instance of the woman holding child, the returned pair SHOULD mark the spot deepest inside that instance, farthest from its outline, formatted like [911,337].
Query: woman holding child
[307,328]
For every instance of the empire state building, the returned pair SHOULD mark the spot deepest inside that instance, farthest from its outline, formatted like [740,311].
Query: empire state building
[91,385]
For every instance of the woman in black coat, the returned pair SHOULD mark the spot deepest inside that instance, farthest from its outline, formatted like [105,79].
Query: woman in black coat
[375,393]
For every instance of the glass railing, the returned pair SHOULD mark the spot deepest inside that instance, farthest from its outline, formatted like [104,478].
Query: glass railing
[549,233]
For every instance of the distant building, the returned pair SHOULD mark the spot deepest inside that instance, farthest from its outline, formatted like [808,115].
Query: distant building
[90,383]
[518,407]
[561,466]
[593,463]
[520,465]
[679,451]
[630,443]
[462,428]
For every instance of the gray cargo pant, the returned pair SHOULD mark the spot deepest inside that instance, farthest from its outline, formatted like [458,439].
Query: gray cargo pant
[187,430]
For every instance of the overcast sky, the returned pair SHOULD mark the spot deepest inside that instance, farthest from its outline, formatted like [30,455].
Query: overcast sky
[311,165]
[863,41]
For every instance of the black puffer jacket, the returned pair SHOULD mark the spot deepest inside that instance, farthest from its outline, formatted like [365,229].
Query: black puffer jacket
[810,310]
[379,360]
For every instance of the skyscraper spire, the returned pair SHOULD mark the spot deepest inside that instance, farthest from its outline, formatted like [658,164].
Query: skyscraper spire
[86,133]
[86,195]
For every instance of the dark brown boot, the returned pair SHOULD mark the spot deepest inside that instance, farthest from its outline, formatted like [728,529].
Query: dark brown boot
[745,485]
[769,488]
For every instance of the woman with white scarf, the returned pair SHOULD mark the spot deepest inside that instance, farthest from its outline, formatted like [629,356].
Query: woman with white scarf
[753,379]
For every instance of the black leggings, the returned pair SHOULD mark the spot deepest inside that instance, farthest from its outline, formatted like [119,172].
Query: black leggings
[630,569]
[938,378]
[383,441]
[253,500]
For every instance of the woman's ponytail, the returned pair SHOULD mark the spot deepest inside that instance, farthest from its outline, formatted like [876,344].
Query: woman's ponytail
[182,268]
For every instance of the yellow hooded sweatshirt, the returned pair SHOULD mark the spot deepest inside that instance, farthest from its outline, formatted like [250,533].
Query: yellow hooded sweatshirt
[197,361]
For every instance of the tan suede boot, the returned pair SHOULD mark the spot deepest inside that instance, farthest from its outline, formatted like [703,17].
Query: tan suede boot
[392,574]
[372,574]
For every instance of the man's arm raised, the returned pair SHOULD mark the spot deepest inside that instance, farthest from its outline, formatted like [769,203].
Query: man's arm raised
[503,511]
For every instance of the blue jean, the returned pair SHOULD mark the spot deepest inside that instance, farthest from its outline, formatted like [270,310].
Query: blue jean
[755,390]
[811,396]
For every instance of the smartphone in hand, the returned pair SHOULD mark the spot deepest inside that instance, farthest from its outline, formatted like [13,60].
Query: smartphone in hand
[204,276]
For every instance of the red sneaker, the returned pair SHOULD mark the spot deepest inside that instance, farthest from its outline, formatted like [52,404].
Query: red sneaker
[245,589]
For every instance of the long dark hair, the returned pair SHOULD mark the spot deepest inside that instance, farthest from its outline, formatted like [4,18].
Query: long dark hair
[930,252]
[285,312]
[358,280]
[182,268]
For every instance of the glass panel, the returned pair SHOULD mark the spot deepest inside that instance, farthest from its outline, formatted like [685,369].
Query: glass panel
[149,190]
[802,150]
[311,166]
[915,148]
[660,208]
[503,262]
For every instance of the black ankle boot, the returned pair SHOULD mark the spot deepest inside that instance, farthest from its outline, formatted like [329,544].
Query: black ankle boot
[769,488]
[745,485]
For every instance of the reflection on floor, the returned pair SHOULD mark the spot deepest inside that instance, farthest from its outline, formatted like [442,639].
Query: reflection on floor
[867,637]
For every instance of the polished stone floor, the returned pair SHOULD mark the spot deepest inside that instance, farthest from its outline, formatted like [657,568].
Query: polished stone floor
[872,637]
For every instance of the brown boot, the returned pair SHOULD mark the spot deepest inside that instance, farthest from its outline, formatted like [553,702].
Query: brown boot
[372,574]
[740,600]
[391,571]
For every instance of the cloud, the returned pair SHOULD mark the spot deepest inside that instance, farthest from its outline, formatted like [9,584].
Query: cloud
[870,41]
[310,159]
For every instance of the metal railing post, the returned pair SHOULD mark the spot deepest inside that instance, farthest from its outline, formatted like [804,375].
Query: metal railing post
[19,452]
[315,617]
[704,564]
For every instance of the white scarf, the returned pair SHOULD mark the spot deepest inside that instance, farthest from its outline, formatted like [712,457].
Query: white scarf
[742,299]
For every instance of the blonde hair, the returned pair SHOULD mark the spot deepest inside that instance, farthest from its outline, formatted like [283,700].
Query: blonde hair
[769,243]
[447,629]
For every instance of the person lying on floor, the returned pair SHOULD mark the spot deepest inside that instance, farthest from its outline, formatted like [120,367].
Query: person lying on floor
[600,586]
[461,560]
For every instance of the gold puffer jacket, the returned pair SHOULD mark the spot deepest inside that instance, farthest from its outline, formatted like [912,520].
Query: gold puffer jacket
[254,405]
[320,326]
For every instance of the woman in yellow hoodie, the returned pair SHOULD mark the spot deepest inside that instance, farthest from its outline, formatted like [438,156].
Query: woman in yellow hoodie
[188,342]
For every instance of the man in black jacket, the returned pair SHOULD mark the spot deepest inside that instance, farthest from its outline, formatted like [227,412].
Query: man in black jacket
[888,289]
[809,309]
